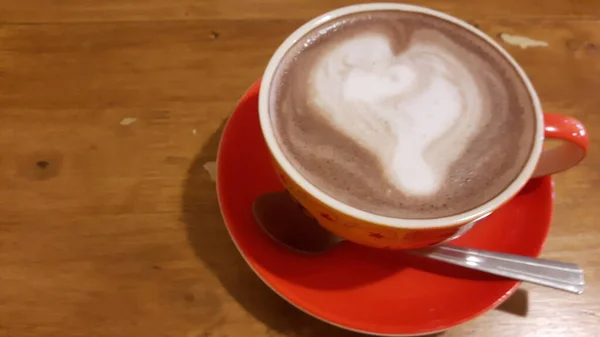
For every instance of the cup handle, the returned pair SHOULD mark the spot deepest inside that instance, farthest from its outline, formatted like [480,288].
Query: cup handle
[573,148]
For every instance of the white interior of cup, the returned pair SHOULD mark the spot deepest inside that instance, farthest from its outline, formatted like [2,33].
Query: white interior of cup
[491,205]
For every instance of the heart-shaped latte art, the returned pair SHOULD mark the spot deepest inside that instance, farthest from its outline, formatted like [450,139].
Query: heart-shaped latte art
[415,110]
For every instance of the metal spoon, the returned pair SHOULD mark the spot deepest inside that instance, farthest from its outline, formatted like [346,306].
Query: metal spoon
[284,221]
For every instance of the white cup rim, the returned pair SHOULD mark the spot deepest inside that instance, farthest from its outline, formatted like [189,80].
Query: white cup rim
[448,221]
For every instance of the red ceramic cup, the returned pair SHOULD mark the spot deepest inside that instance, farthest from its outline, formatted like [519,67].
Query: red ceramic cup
[396,233]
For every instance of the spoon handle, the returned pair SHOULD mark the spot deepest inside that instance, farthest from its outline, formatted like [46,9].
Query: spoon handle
[553,274]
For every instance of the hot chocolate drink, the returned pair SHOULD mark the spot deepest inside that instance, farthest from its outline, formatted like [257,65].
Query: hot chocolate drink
[402,114]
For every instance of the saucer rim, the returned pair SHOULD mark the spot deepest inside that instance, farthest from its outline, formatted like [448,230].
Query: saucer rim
[255,86]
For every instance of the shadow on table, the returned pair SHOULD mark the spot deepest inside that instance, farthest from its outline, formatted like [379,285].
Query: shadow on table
[517,304]
[211,243]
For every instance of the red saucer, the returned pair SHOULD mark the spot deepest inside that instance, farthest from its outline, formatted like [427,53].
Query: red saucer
[358,288]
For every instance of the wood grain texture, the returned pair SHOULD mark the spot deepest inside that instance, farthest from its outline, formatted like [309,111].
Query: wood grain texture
[159,10]
[99,226]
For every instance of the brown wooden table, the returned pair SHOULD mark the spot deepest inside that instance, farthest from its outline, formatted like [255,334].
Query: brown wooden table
[114,230]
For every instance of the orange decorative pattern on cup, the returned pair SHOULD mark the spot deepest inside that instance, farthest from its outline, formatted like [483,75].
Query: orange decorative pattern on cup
[360,231]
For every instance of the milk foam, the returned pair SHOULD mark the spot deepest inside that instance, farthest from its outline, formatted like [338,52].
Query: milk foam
[399,106]
[401,114]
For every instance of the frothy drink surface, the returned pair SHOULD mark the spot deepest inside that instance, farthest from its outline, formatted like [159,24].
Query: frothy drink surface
[402,114]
